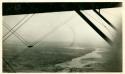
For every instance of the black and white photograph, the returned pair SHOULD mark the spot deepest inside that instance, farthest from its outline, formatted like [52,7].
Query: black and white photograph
[61,37]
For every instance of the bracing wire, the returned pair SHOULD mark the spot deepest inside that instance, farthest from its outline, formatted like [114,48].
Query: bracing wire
[74,38]
[24,50]
[15,26]
[17,35]
[18,27]
[109,15]
[45,36]
[106,28]
[9,65]
[16,56]
[100,23]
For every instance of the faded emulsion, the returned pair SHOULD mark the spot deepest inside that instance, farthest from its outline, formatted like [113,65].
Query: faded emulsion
[62,37]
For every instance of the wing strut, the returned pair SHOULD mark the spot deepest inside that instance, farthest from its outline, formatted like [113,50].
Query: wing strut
[94,27]
[104,18]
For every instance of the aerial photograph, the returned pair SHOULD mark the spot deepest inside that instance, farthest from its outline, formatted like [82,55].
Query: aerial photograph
[61,37]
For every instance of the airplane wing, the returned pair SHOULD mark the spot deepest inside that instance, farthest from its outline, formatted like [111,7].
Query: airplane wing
[29,8]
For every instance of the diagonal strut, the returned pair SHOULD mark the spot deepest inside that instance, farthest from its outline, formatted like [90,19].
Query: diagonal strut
[94,27]
[104,18]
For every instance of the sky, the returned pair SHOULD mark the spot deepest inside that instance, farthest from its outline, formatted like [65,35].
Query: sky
[67,27]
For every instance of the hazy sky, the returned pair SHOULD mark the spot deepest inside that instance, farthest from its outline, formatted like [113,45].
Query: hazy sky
[64,27]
